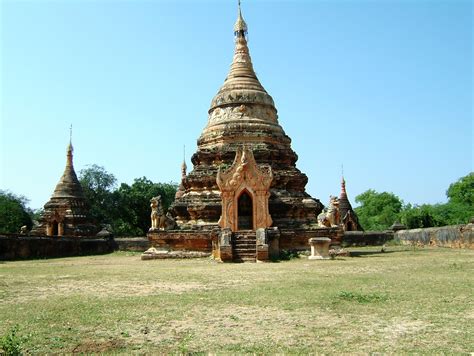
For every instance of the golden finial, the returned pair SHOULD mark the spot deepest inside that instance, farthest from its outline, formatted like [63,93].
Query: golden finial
[183,166]
[69,147]
[343,182]
[240,27]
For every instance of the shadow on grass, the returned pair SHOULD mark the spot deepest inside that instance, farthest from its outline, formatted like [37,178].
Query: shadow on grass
[370,253]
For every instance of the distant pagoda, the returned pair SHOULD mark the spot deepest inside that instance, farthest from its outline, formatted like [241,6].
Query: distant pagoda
[243,128]
[349,219]
[66,213]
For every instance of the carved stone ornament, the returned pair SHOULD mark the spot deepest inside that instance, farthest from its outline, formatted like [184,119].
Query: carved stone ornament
[331,217]
[245,177]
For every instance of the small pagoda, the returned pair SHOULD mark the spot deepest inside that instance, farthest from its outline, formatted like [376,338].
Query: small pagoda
[348,217]
[244,192]
[66,212]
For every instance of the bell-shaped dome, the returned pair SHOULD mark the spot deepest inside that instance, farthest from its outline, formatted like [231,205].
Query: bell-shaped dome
[242,106]
[69,186]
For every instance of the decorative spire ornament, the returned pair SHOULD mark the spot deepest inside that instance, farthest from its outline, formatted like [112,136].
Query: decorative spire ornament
[240,27]
[343,182]
[183,166]
[70,148]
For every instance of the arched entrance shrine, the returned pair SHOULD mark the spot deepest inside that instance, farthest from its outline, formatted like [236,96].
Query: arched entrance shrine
[245,190]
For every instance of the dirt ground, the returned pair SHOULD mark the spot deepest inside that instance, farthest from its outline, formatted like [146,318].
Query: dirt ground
[403,301]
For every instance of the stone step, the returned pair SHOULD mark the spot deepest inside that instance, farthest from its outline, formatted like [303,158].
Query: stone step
[245,244]
[245,249]
[246,253]
[244,259]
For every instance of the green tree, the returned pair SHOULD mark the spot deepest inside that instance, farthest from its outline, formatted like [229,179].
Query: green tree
[462,191]
[378,211]
[13,212]
[133,212]
[126,208]
[460,206]
[414,217]
[98,186]
[458,210]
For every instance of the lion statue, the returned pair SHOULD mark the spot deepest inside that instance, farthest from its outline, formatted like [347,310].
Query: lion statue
[330,217]
[160,221]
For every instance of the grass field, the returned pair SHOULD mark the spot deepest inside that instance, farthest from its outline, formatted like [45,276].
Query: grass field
[402,301]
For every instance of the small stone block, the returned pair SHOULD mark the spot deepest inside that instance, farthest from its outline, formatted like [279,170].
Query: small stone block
[262,253]
[319,248]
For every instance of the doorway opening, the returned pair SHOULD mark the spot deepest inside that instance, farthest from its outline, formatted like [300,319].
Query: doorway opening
[245,212]
[55,228]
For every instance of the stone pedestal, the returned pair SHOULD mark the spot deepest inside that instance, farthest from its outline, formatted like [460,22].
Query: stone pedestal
[225,245]
[262,246]
[319,248]
[273,235]
[262,253]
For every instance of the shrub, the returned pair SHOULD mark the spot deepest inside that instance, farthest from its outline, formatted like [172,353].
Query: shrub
[10,343]
[286,255]
[361,297]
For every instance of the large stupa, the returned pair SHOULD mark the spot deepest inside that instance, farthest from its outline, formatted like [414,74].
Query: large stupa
[244,185]
[243,114]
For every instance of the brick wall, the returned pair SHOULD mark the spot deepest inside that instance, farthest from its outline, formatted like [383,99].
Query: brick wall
[366,238]
[295,239]
[184,240]
[23,247]
[456,236]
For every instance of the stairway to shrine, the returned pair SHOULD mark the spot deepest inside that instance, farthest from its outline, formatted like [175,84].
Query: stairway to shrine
[244,246]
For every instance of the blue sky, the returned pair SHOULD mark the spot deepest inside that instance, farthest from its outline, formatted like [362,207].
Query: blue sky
[383,87]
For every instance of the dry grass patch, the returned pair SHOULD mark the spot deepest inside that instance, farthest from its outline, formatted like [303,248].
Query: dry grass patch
[400,302]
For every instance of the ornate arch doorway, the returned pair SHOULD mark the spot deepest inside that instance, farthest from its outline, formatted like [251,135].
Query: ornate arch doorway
[245,212]
[245,190]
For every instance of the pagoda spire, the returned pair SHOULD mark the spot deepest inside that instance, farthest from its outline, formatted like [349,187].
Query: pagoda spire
[70,149]
[344,204]
[183,166]
[343,183]
[181,189]
[241,81]
[68,185]
[343,187]
[240,27]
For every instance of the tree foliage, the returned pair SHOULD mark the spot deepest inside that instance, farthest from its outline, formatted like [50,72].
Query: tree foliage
[13,212]
[126,208]
[377,211]
[419,216]
[98,186]
[134,204]
[458,210]
[462,191]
